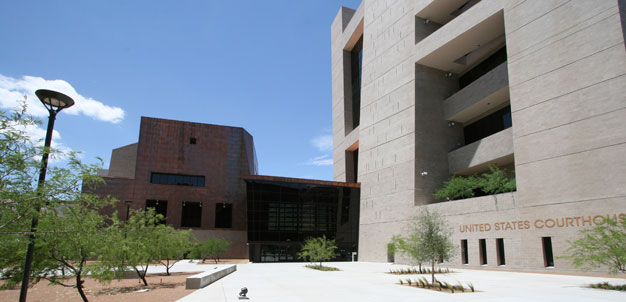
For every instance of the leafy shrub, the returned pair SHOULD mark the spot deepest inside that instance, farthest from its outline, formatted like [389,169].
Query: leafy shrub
[458,187]
[322,268]
[606,285]
[460,287]
[497,182]
[461,187]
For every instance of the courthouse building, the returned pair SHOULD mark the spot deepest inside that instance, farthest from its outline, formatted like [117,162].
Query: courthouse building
[423,89]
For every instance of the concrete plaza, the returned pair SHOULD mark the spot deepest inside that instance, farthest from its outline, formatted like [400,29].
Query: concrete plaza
[363,281]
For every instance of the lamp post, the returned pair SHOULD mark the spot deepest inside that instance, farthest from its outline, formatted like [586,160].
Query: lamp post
[55,102]
[128,203]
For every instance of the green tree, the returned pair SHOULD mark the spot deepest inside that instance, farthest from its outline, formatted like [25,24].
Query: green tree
[603,245]
[212,248]
[56,204]
[70,236]
[410,245]
[19,167]
[428,240]
[140,244]
[318,249]
[172,245]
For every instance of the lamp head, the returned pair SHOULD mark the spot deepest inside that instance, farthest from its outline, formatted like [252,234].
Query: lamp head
[54,100]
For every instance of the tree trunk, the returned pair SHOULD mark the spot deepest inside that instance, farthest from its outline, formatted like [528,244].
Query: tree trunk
[420,267]
[433,271]
[167,267]
[79,286]
[142,276]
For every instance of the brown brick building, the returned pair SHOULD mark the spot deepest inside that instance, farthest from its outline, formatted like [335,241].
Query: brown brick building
[190,173]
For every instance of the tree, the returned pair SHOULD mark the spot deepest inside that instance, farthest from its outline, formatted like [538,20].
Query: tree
[603,245]
[172,245]
[68,218]
[18,168]
[212,248]
[318,249]
[70,236]
[429,240]
[140,243]
[410,245]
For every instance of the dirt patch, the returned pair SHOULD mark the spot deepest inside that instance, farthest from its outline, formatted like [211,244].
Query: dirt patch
[160,288]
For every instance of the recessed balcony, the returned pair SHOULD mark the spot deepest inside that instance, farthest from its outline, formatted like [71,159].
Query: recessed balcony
[496,149]
[464,41]
[488,92]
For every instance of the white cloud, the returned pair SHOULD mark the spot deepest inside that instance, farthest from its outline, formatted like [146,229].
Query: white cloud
[324,160]
[37,135]
[12,90]
[324,143]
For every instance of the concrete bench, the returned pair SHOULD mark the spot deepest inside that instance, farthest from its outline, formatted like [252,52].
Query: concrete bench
[205,278]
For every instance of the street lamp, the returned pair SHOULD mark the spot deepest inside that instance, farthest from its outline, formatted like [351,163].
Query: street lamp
[128,203]
[55,102]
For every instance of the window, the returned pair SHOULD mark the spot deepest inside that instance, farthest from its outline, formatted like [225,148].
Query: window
[484,67]
[356,65]
[548,257]
[223,215]
[176,179]
[192,214]
[488,125]
[192,140]
[352,165]
[464,256]
[159,206]
[482,249]
[500,251]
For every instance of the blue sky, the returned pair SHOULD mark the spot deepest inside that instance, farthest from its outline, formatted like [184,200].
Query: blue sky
[261,65]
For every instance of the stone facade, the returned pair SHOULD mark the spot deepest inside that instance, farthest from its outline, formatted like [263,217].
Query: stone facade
[422,85]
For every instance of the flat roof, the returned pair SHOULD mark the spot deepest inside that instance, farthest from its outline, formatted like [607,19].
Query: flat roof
[302,181]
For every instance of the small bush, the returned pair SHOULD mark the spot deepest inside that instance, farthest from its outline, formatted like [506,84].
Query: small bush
[450,287]
[460,187]
[322,268]
[460,287]
[471,286]
[606,285]
[497,182]
[416,271]
[401,282]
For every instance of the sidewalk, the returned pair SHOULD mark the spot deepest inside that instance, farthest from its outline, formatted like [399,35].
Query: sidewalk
[362,281]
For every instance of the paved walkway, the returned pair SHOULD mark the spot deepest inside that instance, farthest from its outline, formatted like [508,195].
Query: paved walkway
[362,281]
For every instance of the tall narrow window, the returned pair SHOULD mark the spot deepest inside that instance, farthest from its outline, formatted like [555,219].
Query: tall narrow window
[356,64]
[159,206]
[548,257]
[192,214]
[464,256]
[223,215]
[482,249]
[500,251]
[352,165]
